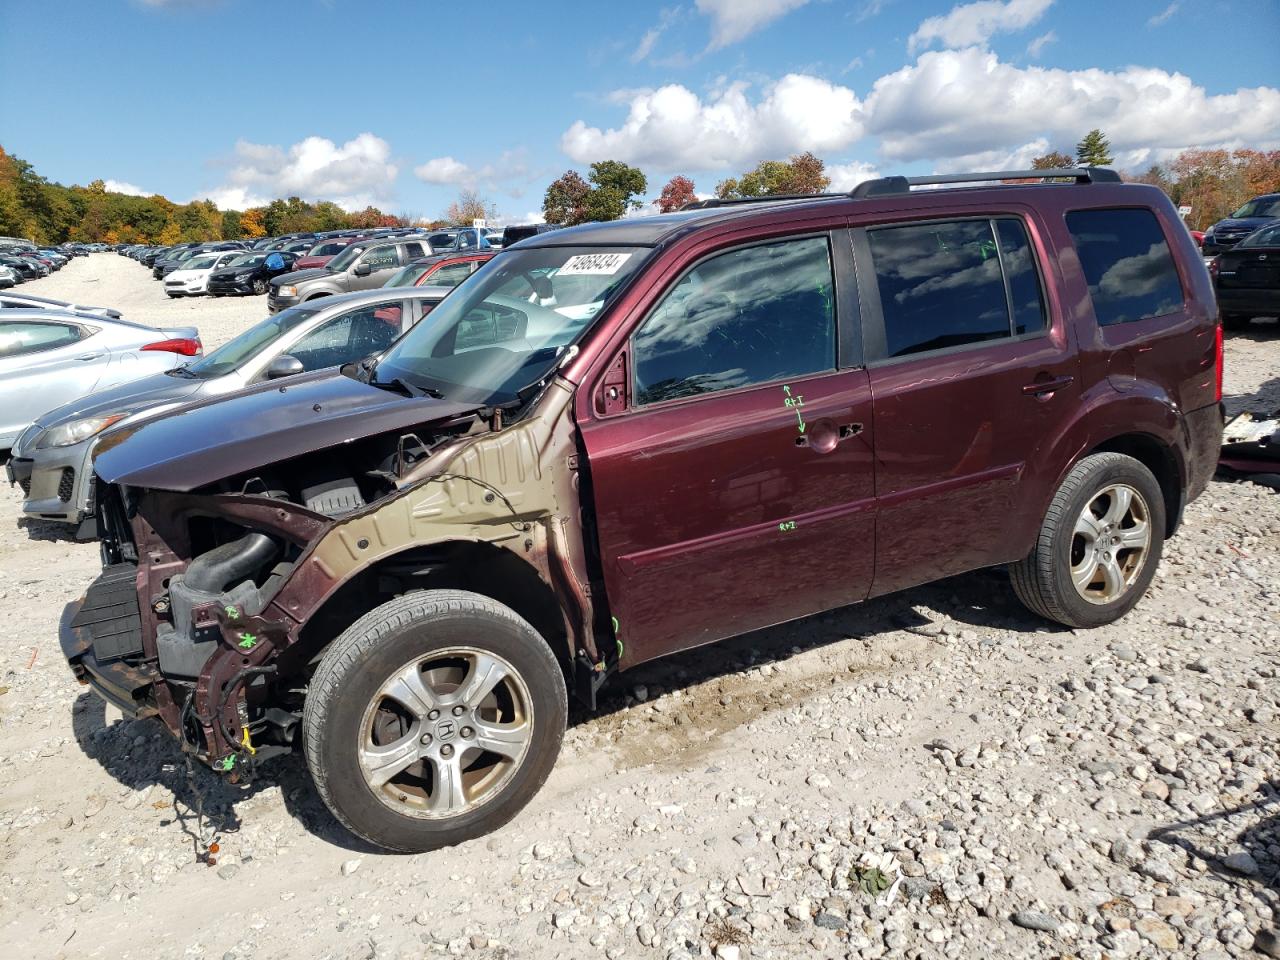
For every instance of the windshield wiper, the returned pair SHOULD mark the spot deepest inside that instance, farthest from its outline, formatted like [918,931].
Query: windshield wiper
[181,372]
[407,388]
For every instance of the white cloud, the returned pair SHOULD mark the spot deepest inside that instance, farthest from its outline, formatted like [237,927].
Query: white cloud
[353,175]
[1164,14]
[975,23]
[1040,42]
[443,170]
[1017,158]
[734,20]
[510,173]
[666,19]
[959,102]
[846,176]
[674,128]
[122,186]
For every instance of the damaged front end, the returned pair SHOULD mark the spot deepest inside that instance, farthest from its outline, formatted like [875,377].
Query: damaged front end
[216,602]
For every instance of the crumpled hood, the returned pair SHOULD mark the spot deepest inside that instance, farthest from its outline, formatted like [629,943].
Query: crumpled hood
[127,398]
[199,444]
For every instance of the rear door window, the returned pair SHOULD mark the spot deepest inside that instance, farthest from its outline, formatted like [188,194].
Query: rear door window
[951,283]
[450,275]
[748,316]
[1127,264]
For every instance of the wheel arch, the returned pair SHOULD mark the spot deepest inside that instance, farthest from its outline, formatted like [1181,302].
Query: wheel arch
[1160,459]
[477,566]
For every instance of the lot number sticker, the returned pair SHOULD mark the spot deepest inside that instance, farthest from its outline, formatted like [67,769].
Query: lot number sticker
[593,265]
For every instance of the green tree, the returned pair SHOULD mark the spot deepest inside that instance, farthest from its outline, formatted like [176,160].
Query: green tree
[616,186]
[565,199]
[231,225]
[1094,150]
[802,174]
[1054,159]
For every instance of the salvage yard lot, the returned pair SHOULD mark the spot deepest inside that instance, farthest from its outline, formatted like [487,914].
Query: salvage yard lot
[1040,791]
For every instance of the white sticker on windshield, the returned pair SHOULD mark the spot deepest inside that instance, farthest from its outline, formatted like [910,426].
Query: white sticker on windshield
[593,265]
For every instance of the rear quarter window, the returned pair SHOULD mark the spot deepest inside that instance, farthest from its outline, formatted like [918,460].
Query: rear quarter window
[1127,264]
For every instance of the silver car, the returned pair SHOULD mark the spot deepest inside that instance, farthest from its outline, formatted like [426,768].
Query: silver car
[25,301]
[52,461]
[49,357]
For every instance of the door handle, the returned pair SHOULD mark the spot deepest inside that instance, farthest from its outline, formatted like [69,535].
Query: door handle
[823,439]
[1041,387]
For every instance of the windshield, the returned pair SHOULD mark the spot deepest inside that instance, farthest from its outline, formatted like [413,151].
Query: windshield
[199,263]
[1260,207]
[230,356]
[248,260]
[1265,237]
[187,254]
[346,257]
[407,276]
[507,325]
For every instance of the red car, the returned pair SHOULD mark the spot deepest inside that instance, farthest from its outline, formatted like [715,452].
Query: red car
[323,252]
[441,270]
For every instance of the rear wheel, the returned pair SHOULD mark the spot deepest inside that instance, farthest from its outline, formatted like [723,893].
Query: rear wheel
[1099,544]
[433,719]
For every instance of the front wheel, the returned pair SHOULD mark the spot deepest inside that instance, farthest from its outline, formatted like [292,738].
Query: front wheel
[433,719]
[259,286]
[1099,544]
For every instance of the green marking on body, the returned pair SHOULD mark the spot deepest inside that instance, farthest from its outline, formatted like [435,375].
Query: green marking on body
[231,612]
[786,526]
[247,641]
[226,763]
[795,403]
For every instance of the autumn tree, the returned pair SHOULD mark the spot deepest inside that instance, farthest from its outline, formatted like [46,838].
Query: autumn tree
[1053,160]
[565,199]
[677,192]
[231,225]
[469,206]
[803,174]
[171,234]
[1094,150]
[252,224]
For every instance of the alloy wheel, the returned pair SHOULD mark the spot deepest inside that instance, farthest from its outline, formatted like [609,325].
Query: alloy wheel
[445,733]
[1110,543]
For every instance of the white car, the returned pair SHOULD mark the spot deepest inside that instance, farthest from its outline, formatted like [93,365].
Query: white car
[193,279]
[8,276]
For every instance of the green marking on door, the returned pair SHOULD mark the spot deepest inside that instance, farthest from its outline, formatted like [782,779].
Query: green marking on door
[795,402]
[786,526]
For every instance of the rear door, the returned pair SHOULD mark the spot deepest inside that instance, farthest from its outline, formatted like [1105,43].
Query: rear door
[973,369]
[729,449]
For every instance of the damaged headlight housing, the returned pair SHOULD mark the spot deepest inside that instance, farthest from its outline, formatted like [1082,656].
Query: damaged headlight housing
[66,434]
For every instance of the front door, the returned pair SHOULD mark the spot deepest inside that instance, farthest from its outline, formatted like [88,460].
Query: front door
[972,381]
[734,488]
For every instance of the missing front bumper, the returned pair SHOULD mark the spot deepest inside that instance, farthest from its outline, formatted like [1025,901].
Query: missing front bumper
[100,635]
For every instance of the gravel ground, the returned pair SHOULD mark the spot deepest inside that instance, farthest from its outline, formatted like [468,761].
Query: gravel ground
[931,774]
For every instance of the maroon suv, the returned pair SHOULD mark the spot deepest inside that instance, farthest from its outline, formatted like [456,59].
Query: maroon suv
[620,440]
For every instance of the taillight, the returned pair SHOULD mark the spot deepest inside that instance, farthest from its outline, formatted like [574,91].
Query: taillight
[1217,363]
[184,346]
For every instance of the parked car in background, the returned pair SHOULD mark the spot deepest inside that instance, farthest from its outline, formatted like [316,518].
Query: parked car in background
[9,277]
[443,270]
[53,459]
[1226,233]
[191,279]
[27,269]
[1247,278]
[249,273]
[321,253]
[43,267]
[514,234]
[363,265]
[26,301]
[48,357]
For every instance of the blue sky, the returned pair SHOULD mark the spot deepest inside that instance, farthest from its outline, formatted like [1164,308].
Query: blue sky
[402,104]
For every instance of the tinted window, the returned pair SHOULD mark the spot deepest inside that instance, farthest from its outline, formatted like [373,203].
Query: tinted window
[21,337]
[755,315]
[940,285]
[1025,295]
[414,250]
[1126,263]
[449,275]
[350,336]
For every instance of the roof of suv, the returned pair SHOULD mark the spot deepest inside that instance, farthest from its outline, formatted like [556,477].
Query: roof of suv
[651,231]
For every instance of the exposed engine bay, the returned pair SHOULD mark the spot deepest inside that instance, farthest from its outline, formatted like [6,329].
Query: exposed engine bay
[240,585]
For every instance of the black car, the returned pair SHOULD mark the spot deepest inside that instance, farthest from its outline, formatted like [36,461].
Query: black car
[24,265]
[1247,278]
[250,273]
[1226,233]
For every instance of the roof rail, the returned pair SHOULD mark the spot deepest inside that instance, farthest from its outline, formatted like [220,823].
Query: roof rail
[890,186]
[767,198]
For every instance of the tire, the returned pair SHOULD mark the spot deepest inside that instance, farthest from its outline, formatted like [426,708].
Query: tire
[1044,580]
[458,637]
[1235,321]
[259,286]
